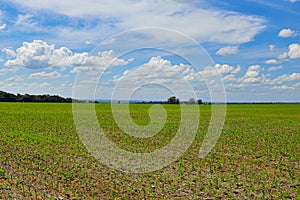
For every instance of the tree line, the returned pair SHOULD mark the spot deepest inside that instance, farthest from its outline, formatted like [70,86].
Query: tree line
[9,97]
[174,100]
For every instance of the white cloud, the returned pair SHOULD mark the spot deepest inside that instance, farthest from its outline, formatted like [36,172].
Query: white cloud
[274,68]
[75,37]
[202,24]
[287,33]
[88,42]
[38,54]
[253,75]
[228,50]
[210,72]
[293,1]
[272,47]
[271,61]
[3,26]
[15,79]
[227,69]
[81,69]
[294,51]
[110,41]
[43,84]
[7,70]
[284,87]
[33,55]
[156,70]
[288,77]
[253,78]
[24,19]
[9,52]
[101,61]
[158,74]
[61,57]
[283,56]
[44,74]
[66,84]
[253,71]
[26,23]
[161,72]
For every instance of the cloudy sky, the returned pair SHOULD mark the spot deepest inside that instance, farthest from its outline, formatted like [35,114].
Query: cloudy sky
[151,49]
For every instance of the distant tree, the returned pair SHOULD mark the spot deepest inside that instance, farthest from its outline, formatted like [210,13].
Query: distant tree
[199,101]
[4,96]
[191,101]
[26,98]
[173,100]
[19,97]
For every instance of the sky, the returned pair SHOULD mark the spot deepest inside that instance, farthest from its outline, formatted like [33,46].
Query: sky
[234,51]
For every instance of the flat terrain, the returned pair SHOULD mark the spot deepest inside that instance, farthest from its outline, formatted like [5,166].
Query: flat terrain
[257,155]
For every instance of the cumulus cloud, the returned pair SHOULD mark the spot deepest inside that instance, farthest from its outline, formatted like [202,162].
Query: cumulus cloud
[253,71]
[211,25]
[157,73]
[287,33]
[33,55]
[45,75]
[253,75]
[162,71]
[101,61]
[227,69]
[288,77]
[294,51]
[209,72]
[293,1]
[228,50]
[38,54]
[157,70]
[271,61]
[9,52]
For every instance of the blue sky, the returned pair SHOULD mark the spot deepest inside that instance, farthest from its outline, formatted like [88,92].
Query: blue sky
[151,49]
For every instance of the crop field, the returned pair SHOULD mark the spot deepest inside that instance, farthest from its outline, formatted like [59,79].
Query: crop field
[256,157]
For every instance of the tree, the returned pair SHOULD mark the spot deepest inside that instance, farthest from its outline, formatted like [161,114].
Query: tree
[173,100]
[191,101]
[199,101]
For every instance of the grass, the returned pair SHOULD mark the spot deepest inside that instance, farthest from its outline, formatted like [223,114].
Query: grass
[257,155]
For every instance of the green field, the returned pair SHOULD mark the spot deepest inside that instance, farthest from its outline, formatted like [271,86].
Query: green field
[257,155]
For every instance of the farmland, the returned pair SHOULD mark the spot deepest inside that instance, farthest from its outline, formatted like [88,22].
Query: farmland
[257,155]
